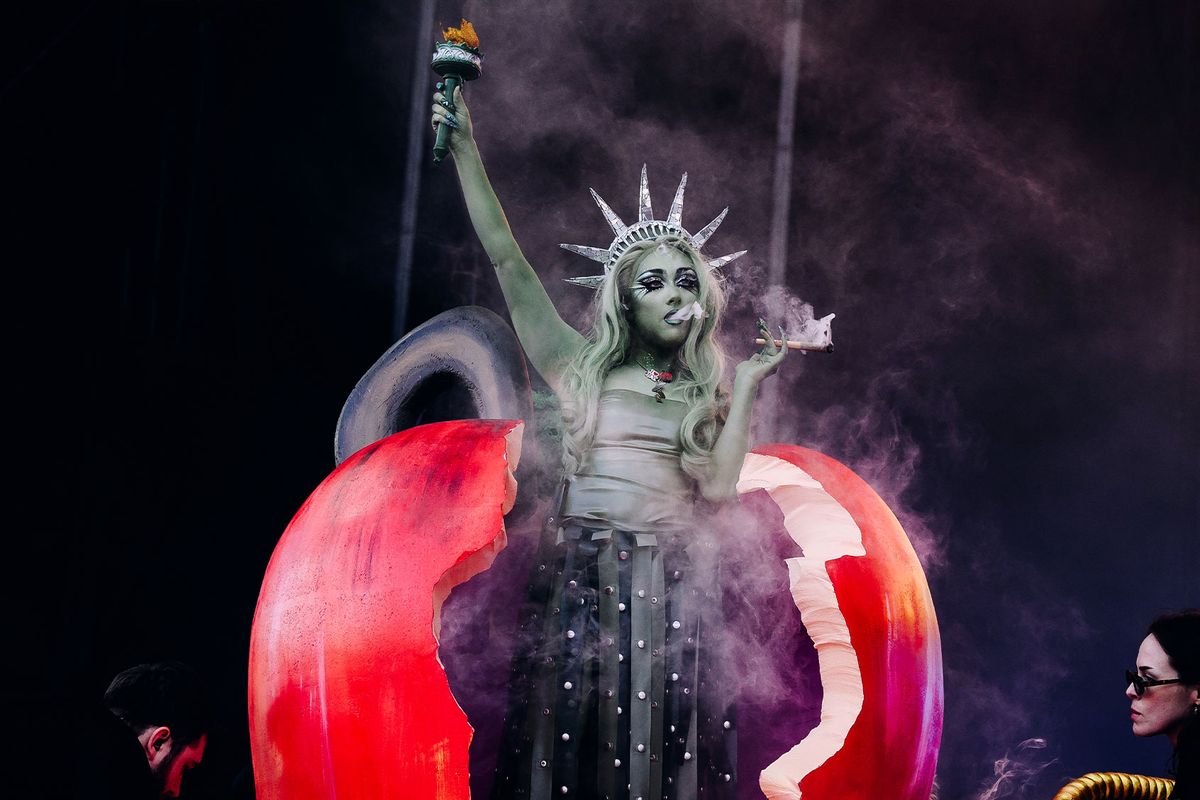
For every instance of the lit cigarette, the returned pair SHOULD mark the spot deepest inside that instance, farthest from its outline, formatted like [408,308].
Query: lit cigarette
[810,347]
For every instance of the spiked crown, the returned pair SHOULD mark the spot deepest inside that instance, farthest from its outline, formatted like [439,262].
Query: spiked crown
[647,227]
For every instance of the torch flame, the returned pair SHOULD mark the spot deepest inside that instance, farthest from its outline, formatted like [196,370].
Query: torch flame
[464,35]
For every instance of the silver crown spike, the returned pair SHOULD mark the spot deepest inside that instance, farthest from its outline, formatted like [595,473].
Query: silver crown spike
[588,281]
[644,212]
[717,263]
[614,222]
[708,230]
[675,217]
[595,253]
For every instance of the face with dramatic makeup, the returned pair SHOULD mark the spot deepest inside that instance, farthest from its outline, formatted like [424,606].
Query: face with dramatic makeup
[663,284]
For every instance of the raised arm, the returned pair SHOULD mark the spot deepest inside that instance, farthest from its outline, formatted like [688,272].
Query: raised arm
[549,342]
[729,451]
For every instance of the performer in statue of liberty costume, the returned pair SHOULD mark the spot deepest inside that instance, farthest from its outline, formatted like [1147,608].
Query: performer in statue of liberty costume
[608,696]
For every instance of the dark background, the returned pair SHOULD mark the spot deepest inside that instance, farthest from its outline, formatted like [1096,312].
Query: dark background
[999,200]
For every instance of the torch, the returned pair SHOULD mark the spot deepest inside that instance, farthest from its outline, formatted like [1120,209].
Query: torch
[457,60]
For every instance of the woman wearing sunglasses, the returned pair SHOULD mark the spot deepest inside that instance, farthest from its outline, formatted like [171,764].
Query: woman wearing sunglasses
[1164,694]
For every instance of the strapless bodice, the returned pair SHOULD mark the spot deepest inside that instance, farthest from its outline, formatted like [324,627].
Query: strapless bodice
[632,479]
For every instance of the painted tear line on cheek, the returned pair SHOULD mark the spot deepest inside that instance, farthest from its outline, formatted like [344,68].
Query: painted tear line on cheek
[687,312]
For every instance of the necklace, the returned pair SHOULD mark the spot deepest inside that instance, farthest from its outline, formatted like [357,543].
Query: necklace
[660,377]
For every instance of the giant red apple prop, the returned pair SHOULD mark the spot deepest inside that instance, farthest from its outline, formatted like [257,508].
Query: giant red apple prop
[864,601]
[347,697]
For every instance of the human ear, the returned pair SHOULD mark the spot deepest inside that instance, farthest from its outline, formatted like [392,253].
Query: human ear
[156,743]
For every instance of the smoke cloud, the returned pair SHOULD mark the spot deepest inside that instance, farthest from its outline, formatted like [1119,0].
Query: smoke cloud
[1016,770]
[1005,267]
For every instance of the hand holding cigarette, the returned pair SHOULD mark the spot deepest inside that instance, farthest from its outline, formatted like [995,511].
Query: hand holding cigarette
[817,333]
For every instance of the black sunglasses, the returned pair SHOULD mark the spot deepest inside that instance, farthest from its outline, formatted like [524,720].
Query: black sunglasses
[1140,684]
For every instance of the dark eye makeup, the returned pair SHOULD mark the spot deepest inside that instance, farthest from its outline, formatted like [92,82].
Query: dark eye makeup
[648,281]
[686,279]
[654,279]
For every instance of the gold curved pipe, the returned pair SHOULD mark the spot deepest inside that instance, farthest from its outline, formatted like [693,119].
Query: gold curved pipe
[1116,786]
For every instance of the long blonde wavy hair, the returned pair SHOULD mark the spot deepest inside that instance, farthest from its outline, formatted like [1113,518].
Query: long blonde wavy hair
[699,363]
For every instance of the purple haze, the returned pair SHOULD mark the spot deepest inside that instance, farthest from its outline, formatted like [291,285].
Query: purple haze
[998,203]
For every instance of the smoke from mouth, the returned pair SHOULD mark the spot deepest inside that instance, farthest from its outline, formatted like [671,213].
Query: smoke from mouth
[693,310]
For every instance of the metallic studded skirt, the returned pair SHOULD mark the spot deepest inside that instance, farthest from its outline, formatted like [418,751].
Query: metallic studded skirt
[608,693]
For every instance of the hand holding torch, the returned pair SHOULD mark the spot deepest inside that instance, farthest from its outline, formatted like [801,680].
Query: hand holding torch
[457,60]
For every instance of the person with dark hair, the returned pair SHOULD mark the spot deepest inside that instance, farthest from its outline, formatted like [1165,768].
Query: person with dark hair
[156,729]
[1164,694]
